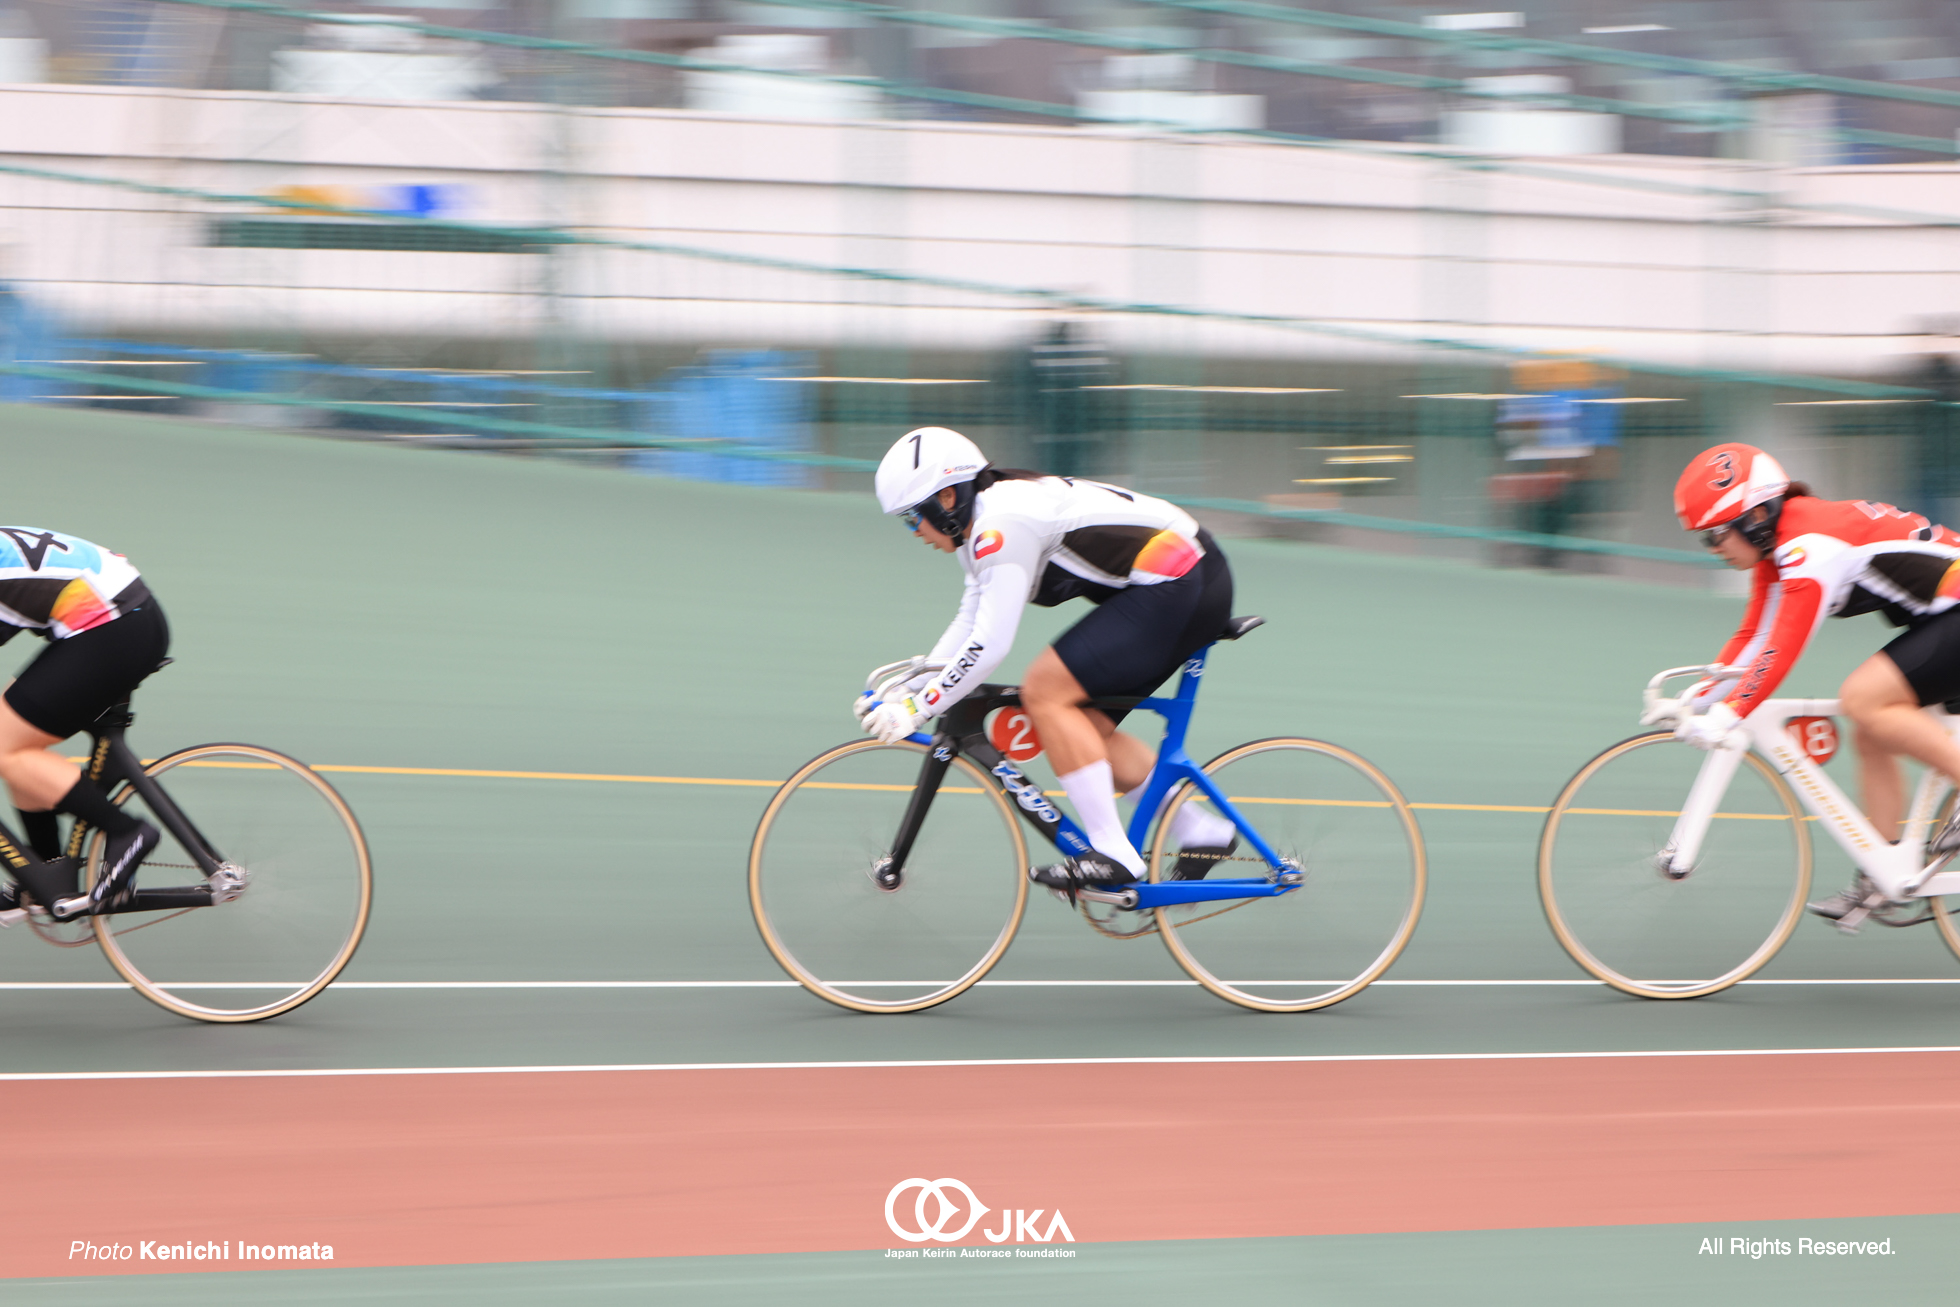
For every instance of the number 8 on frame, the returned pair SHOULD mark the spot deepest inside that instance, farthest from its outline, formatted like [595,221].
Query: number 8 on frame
[1816,736]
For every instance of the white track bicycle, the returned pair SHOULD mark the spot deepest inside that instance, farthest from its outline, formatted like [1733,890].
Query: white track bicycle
[1668,872]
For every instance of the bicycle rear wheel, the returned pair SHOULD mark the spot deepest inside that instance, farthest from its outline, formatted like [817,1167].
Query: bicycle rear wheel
[1629,924]
[1348,830]
[823,914]
[307,891]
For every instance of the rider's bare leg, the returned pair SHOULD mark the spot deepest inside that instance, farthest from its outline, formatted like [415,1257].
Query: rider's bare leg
[1887,721]
[36,778]
[1072,735]
[1091,758]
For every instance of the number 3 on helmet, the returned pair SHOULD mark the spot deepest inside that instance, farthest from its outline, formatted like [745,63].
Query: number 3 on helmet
[1723,483]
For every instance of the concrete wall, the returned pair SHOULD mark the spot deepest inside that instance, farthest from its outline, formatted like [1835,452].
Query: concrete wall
[1400,244]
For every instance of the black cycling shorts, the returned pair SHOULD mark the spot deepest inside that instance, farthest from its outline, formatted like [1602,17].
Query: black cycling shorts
[75,679]
[1139,636]
[1928,655]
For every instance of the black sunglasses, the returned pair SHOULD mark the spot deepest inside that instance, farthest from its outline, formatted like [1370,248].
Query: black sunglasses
[1713,535]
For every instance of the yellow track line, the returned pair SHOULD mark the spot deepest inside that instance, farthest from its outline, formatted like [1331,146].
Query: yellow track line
[826,785]
[900,789]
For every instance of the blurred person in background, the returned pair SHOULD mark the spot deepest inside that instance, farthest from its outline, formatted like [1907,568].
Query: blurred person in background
[1162,591]
[1561,445]
[1060,413]
[1810,559]
[1936,453]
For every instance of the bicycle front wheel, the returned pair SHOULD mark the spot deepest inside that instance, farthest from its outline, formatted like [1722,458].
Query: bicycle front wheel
[1623,919]
[838,919]
[307,887]
[1344,826]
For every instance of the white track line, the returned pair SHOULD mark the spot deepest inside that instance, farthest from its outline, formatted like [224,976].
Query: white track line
[309,1073]
[32,985]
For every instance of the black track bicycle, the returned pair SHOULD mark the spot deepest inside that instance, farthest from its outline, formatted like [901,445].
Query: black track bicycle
[255,899]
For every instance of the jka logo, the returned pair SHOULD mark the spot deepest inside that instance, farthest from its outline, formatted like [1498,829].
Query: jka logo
[987,542]
[953,1201]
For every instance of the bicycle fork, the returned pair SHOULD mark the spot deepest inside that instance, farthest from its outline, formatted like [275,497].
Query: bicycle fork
[1676,859]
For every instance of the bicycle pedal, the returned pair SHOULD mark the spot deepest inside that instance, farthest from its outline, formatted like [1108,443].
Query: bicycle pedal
[1848,923]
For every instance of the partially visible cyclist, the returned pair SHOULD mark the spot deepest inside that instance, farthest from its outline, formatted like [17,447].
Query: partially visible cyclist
[1162,591]
[105,633]
[1811,559]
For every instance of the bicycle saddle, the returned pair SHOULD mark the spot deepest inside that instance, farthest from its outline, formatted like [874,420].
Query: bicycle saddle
[1239,626]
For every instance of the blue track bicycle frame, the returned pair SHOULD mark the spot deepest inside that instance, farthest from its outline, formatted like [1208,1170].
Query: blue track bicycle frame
[1173,767]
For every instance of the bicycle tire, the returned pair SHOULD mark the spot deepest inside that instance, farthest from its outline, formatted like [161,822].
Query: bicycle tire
[1946,909]
[300,917]
[1615,891]
[821,914]
[1360,848]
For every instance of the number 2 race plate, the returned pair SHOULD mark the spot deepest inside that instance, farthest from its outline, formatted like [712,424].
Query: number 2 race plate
[1013,734]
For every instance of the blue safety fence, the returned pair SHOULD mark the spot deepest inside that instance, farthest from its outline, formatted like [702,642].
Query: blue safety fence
[748,397]
[735,417]
[745,398]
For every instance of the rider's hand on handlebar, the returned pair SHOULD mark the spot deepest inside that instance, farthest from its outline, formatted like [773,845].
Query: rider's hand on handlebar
[865,702]
[892,721]
[1709,730]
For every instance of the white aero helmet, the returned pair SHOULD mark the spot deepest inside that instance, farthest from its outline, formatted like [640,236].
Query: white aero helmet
[923,463]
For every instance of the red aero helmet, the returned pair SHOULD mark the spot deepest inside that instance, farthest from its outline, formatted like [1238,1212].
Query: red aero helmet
[1723,483]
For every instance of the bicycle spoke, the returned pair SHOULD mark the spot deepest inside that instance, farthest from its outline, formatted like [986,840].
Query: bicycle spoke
[1623,920]
[1341,824]
[303,907]
[815,880]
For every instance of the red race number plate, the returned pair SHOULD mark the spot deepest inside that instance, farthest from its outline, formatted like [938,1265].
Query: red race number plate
[1816,736]
[1013,734]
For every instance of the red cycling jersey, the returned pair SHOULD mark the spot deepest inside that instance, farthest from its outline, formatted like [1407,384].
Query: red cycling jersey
[1833,558]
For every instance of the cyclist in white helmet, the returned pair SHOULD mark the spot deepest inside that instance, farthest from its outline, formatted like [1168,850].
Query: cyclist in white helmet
[1162,591]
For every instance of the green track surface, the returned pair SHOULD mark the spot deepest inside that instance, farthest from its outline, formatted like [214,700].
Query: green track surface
[371,604]
[1609,1265]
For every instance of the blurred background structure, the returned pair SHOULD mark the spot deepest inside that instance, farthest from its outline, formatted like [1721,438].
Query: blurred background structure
[1472,284]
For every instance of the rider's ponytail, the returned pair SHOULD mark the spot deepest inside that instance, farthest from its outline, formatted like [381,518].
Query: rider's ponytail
[990,474]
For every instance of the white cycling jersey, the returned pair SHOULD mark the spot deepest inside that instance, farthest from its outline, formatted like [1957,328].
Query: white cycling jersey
[61,585]
[1044,542]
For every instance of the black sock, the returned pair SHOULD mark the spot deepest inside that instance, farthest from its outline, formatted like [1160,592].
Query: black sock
[43,831]
[88,802]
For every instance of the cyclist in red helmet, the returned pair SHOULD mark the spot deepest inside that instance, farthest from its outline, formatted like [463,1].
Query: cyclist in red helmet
[1811,559]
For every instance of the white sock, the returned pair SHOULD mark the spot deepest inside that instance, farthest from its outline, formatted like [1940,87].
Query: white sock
[1092,793]
[1196,826]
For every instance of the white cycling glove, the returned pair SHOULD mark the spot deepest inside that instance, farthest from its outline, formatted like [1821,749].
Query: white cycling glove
[865,702]
[1711,729]
[892,721]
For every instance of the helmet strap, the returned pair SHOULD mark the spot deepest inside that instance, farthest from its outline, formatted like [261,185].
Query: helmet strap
[1763,534]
